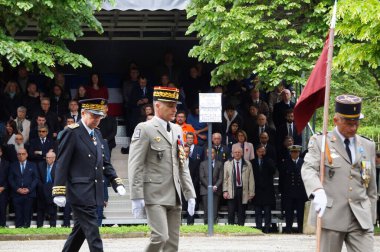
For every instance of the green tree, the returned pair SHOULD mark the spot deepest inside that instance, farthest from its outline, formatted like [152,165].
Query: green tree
[281,39]
[56,22]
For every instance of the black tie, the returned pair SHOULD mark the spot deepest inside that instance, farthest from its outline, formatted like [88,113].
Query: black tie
[347,143]
[290,130]
[168,127]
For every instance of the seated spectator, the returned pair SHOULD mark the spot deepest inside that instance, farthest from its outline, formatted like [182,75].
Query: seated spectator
[196,152]
[31,100]
[40,146]
[4,188]
[254,99]
[108,128]
[59,103]
[288,129]
[146,110]
[230,115]
[141,94]
[60,80]
[217,184]
[23,124]
[250,121]
[11,100]
[180,119]
[11,149]
[231,137]
[23,180]
[96,89]
[164,80]
[10,132]
[270,150]
[193,85]
[128,85]
[261,126]
[263,171]
[280,108]
[193,165]
[238,185]
[40,121]
[45,204]
[247,147]
[201,128]
[50,116]
[222,153]
[293,189]
[81,93]
[73,112]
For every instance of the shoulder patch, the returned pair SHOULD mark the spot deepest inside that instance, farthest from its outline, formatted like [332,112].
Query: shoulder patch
[136,134]
[73,126]
[367,138]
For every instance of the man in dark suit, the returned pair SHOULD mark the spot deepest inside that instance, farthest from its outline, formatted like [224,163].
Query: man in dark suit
[193,164]
[4,170]
[39,122]
[73,112]
[45,203]
[293,189]
[261,126]
[263,171]
[51,117]
[288,129]
[270,150]
[108,128]
[23,180]
[79,175]
[280,108]
[41,145]
[217,180]
[196,152]
[222,152]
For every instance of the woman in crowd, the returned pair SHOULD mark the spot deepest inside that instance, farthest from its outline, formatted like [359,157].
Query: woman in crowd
[248,151]
[231,138]
[96,89]
[11,100]
[10,132]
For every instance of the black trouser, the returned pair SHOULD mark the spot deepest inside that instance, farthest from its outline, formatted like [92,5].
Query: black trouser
[23,210]
[290,206]
[3,207]
[215,203]
[236,204]
[44,208]
[85,227]
[259,216]
[67,215]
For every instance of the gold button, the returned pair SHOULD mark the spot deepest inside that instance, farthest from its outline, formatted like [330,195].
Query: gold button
[350,188]
[89,155]
[103,168]
[150,180]
[350,177]
[96,181]
[349,200]
[96,168]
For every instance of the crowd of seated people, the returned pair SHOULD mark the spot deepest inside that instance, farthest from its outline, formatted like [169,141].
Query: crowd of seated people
[256,123]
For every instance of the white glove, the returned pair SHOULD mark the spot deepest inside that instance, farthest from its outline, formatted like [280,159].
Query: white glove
[121,190]
[191,206]
[138,208]
[60,201]
[320,201]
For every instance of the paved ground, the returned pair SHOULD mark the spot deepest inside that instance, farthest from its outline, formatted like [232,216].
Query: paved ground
[272,243]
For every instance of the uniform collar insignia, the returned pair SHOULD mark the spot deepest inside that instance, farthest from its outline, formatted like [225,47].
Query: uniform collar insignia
[157,139]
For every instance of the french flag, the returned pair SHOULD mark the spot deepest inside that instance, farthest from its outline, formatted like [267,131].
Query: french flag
[111,81]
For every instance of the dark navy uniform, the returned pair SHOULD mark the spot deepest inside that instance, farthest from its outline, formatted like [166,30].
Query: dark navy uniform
[293,189]
[79,176]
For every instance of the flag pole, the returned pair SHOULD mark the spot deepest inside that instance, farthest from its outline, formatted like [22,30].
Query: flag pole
[326,114]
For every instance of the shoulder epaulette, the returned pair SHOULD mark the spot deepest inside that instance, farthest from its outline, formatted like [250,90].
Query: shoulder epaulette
[366,138]
[73,126]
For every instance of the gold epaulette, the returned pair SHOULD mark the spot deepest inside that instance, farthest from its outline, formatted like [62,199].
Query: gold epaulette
[118,181]
[73,126]
[59,190]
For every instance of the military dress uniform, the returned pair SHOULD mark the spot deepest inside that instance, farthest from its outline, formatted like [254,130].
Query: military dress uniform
[79,176]
[157,175]
[350,187]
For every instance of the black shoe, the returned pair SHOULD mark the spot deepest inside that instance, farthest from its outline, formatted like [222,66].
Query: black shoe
[124,150]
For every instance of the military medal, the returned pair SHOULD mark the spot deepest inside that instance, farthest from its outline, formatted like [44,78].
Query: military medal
[157,139]
[181,152]
[365,172]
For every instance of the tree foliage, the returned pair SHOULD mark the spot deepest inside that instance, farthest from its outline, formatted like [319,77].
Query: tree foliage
[56,21]
[281,39]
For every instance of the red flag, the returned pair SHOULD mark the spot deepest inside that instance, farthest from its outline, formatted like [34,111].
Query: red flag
[313,95]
